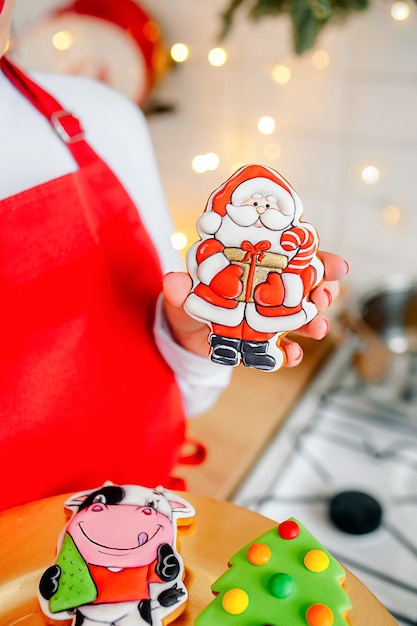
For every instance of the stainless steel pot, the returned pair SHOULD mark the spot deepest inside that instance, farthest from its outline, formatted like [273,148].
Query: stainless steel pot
[390,310]
[388,363]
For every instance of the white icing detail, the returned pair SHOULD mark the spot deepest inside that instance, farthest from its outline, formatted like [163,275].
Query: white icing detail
[277,353]
[209,223]
[203,311]
[293,289]
[279,324]
[266,187]
[211,266]
[319,267]
[310,310]
[191,261]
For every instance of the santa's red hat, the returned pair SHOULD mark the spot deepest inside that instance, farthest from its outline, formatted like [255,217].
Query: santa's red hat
[245,182]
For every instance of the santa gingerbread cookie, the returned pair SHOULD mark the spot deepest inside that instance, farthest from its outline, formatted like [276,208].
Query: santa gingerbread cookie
[117,559]
[253,268]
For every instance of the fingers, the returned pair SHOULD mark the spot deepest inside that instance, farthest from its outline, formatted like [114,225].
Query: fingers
[293,352]
[335,267]
[318,328]
[192,334]
[176,286]
[188,332]
[324,294]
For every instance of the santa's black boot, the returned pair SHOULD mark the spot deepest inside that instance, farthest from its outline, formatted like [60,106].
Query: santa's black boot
[225,350]
[255,354]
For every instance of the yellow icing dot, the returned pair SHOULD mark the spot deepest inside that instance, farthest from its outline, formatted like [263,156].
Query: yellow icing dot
[235,601]
[319,615]
[259,554]
[316,561]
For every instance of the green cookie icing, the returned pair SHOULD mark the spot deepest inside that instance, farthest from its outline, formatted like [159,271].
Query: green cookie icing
[75,587]
[284,577]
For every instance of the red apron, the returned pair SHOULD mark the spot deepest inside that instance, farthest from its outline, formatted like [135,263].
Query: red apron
[85,395]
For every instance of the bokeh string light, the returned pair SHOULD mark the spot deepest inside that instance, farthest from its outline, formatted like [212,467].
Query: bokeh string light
[281,74]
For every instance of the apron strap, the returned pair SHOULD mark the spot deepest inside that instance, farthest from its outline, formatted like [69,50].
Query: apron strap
[64,123]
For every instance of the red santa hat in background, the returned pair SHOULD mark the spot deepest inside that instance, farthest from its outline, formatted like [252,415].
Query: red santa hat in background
[1,5]
[245,182]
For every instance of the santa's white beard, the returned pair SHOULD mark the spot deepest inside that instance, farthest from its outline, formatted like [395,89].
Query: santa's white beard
[232,234]
[247,215]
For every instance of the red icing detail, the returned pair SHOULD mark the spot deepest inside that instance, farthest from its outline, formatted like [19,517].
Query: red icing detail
[275,311]
[206,293]
[207,249]
[227,282]
[255,250]
[242,331]
[270,293]
[309,278]
[223,196]
[304,242]
[125,585]
[288,530]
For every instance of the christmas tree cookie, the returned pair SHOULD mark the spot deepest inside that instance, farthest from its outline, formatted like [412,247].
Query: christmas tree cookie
[283,578]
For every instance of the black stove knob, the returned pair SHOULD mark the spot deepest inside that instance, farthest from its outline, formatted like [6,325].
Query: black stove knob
[355,512]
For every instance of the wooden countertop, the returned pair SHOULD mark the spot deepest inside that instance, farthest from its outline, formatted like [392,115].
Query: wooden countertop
[245,418]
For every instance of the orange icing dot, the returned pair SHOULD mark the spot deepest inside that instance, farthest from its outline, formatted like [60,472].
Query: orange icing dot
[316,561]
[259,554]
[235,601]
[319,615]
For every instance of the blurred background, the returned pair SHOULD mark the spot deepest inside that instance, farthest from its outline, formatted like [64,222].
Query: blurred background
[337,118]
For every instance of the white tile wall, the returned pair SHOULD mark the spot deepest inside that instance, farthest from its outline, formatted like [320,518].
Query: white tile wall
[361,109]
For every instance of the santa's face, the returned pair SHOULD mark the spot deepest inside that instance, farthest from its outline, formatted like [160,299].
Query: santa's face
[258,218]
[261,211]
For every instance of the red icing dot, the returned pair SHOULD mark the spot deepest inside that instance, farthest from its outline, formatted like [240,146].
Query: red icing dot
[288,529]
[319,615]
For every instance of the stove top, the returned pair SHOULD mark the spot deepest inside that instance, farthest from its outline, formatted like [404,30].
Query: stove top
[345,465]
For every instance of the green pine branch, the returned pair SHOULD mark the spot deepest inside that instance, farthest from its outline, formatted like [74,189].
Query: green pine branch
[308,17]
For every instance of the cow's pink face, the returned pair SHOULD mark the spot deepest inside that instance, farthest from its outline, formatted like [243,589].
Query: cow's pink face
[121,535]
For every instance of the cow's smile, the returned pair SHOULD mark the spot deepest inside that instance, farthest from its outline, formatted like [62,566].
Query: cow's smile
[143,538]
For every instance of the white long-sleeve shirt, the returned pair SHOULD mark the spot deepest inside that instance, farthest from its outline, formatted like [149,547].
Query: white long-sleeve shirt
[31,154]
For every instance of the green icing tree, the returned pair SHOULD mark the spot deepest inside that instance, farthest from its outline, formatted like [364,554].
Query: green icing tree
[283,578]
[75,587]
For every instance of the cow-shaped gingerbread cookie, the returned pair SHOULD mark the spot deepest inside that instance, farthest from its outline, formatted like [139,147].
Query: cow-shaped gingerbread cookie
[117,560]
[253,268]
